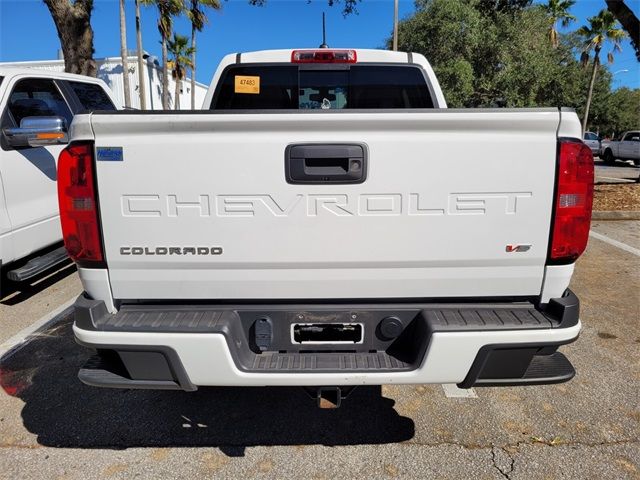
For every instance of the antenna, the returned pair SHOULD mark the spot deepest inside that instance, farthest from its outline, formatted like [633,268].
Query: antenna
[324,34]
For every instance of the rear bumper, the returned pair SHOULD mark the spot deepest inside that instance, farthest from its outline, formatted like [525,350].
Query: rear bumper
[185,347]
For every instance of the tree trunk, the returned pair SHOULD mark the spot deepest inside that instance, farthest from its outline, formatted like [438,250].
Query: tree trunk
[176,102]
[165,75]
[124,54]
[193,68]
[628,20]
[142,86]
[596,61]
[73,23]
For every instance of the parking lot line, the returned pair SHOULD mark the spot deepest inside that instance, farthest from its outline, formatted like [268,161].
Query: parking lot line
[20,339]
[615,243]
[451,390]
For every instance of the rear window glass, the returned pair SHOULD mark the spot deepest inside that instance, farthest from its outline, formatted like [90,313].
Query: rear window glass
[92,96]
[266,87]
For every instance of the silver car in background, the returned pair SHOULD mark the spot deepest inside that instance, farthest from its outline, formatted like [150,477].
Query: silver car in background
[592,140]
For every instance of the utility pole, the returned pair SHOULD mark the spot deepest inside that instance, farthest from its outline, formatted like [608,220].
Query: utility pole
[395,25]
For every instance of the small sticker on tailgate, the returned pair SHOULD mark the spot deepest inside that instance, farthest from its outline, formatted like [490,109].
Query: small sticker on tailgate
[109,154]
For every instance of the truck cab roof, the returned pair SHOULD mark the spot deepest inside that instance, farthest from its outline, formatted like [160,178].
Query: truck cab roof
[284,55]
[6,71]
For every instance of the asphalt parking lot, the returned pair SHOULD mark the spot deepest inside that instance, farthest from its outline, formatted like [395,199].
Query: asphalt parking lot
[52,426]
[619,172]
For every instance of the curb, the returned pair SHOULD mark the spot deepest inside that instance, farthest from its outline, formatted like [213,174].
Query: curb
[615,215]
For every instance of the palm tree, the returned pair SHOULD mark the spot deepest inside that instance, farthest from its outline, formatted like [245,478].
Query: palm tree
[181,54]
[602,28]
[558,10]
[628,20]
[167,9]
[124,55]
[198,20]
[142,86]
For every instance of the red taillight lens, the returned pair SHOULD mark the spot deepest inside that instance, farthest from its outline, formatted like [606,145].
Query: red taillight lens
[573,202]
[324,56]
[77,199]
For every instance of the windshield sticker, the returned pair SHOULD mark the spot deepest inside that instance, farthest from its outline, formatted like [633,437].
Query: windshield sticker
[245,84]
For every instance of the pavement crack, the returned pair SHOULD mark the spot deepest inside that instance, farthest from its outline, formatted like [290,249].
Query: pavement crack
[502,461]
[517,445]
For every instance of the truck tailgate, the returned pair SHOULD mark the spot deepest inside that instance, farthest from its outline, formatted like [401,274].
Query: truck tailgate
[454,203]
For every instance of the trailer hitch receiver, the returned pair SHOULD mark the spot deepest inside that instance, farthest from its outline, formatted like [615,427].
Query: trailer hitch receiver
[329,397]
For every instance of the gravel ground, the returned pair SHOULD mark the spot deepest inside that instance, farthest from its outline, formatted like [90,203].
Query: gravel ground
[617,197]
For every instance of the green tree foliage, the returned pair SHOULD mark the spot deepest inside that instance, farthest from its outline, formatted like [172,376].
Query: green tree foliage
[624,110]
[492,7]
[503,57]
[614,112]
[455,59]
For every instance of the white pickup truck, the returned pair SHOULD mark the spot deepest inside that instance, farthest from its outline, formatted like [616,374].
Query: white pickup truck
[625,147]
[36,107]
[325,221]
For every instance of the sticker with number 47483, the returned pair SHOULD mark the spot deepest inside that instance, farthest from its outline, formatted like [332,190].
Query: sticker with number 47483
[247,84]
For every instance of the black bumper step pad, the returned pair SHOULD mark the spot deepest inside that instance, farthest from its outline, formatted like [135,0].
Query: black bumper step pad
[327,361]
[106,370]
[213,319]
[541,370]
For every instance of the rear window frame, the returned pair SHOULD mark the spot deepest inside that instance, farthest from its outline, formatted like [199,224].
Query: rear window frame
[322,66]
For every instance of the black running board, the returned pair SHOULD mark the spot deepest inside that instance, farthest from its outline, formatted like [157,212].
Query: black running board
[38,265]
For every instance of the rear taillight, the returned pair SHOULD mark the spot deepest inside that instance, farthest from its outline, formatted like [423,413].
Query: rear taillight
[573,202]
[324,56]
[77,199]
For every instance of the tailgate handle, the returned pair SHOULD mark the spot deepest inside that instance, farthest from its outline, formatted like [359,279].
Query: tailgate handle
[325,163]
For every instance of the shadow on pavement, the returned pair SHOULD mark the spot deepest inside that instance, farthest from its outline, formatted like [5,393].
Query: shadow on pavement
[63,412]
[618,163]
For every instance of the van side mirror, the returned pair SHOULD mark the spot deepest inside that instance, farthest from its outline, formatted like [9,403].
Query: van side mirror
[37,132]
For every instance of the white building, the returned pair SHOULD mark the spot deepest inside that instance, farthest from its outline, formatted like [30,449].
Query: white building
[110,70]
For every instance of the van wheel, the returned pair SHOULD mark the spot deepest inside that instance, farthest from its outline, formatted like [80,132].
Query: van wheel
[608,157]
